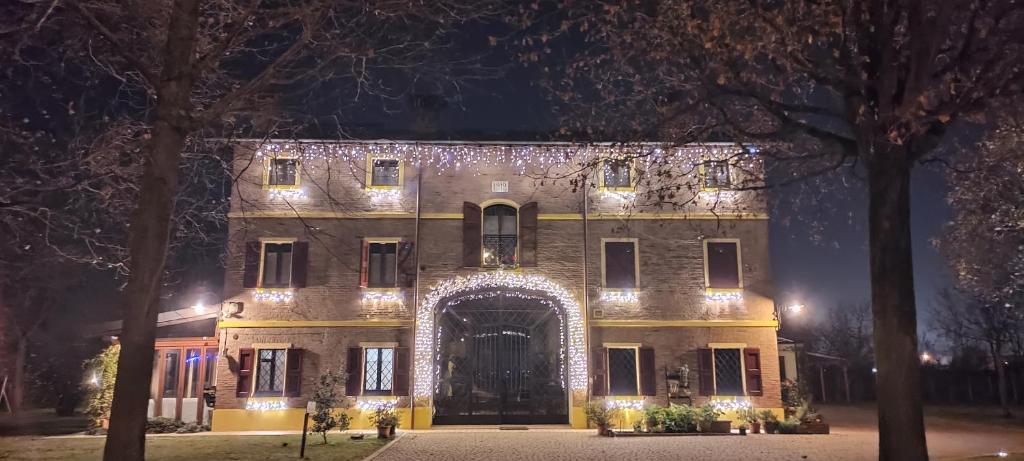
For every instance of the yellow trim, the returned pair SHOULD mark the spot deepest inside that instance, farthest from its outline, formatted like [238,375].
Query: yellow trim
[314,323]
[369,173]
[739,265]
[236,419]
[267,161]
[685,323]
[282,214]
[636,263]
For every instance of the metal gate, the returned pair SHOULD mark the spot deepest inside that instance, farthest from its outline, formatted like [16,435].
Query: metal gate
[499,361]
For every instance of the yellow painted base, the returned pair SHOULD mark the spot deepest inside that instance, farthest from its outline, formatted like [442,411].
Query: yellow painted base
[577,418]
[231,420]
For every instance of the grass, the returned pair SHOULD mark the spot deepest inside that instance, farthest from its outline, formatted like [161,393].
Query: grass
[194,448]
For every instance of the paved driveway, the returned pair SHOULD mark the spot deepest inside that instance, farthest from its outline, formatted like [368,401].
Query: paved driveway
[853,438]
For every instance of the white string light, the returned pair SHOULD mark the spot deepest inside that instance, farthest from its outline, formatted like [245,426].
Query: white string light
[620,296]
[365,404]
[723,296]
[383,297]
[287,194]
[731,405]
[621,404]
[512,284]
[274,295]
[266,405]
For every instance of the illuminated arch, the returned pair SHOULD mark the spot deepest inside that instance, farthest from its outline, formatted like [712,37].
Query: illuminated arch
[506,281]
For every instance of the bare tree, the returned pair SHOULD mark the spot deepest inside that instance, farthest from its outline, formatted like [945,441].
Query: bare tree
[846,333]
[875,85]
[182,69]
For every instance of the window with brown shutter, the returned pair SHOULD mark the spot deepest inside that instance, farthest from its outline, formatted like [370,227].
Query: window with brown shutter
[620,258]
[622,371]
[293,373]
[251,267]
[402,366]
[528,234]
[648,378]
[471,234]
[243,384]
[277,264]
[706,370]
[752,363]
[599,367]
[728,371]
[364,263]
[300,264]
[353,371]
[722,264]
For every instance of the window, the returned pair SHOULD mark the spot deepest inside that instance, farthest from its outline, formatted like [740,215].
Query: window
[171,373]
[378,370]
[283,172]
[782,367]
[728,372]
[500,229]
[618,174]
[722,263]
[270,370]
[715,175]
[382,264]
[277,265]
[386,173]
[620,259]
[622,371]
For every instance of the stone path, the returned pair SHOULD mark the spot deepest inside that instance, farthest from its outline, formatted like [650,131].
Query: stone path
[853,438]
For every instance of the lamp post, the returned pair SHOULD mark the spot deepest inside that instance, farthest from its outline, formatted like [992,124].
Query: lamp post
[793,309]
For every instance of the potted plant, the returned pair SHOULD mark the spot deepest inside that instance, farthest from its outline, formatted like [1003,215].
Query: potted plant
[749,416]
[599,414]
[771,422]
[743,428]
[789,426]
[385,419]
[707,420]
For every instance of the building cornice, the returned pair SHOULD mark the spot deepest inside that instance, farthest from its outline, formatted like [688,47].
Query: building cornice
[705,216]
[684,323]
[388,323]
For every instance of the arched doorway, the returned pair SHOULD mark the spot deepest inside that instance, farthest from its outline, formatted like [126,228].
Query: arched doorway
[500,348]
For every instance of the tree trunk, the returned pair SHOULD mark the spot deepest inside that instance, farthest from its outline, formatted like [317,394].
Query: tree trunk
[1004,399]
[150,231]
[900,419]
[18,380]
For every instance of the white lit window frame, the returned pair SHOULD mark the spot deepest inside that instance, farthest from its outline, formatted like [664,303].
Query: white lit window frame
[636,263]
[483,216]
[362,367]
[263,258]
[743,367]
[268,165]
[630,163]
[369,173]
[703,175]
[635,347]
[256,368]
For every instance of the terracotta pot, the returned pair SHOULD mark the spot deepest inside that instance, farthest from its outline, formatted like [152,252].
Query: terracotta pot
[602,430]
[383,432]
[755,428]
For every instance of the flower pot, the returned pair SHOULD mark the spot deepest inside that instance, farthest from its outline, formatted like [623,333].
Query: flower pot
[755,428]
[771,427]
[391,432]
[720,427]
[743,431]
[604,430]
[383,432]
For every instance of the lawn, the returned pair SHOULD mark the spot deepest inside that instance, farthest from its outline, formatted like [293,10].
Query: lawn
[194,448]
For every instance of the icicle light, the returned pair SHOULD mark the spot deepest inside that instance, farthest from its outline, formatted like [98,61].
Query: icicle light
[274,295]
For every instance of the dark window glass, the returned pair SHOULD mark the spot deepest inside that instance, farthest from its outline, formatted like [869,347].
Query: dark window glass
[782,368]
[171,367]
[622,372]
[620,264]
[716,175]
[723,265]
[382,264]
[211,367]
[499,239]
[378,370]
[192,359]
[277,264]
[385,173]
[728,372]
[270,372]
[283,172]
[617,173]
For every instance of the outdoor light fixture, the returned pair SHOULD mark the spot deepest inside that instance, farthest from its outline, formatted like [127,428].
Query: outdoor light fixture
[198,308]
[795,308]
[925,357]
[874,370]
[1002,454]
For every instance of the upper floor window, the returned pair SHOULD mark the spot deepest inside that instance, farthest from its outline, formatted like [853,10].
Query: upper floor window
[722,263]
[500,231]
[385,173]
[378,370]
[619,258]
[381,264]
[618,174]
[270,370]
[283,172]
[277,265]
[715,175]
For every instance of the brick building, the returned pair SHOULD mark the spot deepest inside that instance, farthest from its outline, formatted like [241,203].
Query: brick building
[469,283]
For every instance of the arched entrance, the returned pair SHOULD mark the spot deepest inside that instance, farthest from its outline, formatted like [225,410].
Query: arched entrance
[500,347]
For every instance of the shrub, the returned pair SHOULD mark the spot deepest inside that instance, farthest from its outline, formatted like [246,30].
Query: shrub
[599,413]
[748,414]
[104,368]
[768,416]
[707,414]
[384,417]
[161,425]
[190,428]
[680,418]
[655,416]
[789,426]
[325,397]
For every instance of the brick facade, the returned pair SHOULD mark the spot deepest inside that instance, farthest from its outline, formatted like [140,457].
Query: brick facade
[337,212]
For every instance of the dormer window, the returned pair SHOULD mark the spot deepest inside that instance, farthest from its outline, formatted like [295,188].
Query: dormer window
[385,173]
[618,174]
[500,235]
[715,175]
[283,172]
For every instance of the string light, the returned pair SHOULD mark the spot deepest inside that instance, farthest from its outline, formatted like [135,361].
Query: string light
[621,404]
[731,405]
[383,297]
[274,295]
[620,296]
[287,194]
[266,405]
[511,284]
[723,296]
[365,404]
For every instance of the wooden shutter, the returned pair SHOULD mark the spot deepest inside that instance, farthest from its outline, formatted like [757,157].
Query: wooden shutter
[401,371]
[406,264]
[599,364]
[353,371]
[528,235]
[364,265]
[648,380]
[752,364]
[300,264]
[251,268]
[706,371]
[246,358]
[293,373]
[471,237]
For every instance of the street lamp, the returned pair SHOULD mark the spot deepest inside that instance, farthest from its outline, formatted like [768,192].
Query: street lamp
[199,308]
[795,308]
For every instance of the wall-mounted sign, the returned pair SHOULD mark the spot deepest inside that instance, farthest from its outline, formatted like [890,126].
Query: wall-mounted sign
[499,186]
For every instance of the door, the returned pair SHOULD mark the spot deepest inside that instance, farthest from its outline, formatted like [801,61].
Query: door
[500,361]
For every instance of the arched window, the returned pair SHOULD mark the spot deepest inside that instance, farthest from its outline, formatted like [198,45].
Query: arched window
[500,232]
